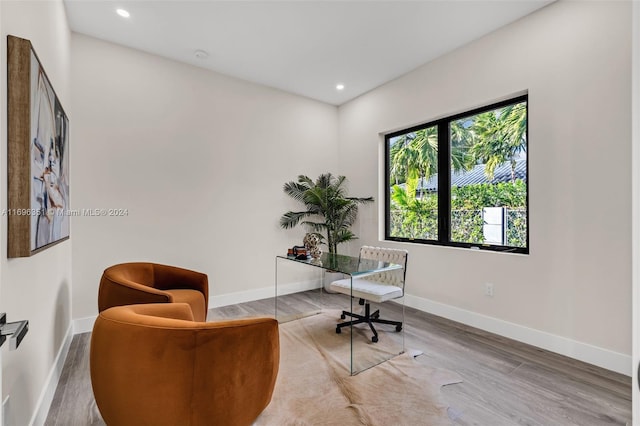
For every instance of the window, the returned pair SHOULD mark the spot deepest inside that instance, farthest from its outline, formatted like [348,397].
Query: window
[461,181]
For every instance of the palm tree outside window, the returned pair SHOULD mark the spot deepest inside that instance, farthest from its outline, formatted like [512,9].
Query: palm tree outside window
[461,180]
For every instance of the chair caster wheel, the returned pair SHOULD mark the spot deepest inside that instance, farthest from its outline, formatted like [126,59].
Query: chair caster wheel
[398,327]
[343,316]
[374,339]
[338,330]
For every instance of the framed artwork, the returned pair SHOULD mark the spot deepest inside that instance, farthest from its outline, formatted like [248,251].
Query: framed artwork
[38,155]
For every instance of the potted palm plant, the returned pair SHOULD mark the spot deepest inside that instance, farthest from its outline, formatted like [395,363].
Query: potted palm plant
[327,202]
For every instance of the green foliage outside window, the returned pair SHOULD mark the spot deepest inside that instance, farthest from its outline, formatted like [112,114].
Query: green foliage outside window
[417,218]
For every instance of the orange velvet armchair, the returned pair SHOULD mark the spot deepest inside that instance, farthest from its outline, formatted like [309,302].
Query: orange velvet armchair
[144,282]
[151,364]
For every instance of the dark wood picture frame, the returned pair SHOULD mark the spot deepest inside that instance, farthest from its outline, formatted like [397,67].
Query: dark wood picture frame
[38,163]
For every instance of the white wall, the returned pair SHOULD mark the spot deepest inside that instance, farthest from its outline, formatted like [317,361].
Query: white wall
[197,158]
[37,288]
[574,59]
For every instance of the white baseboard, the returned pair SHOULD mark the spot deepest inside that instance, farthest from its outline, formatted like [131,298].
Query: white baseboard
[84,325]
[600,357]
[50,385]
[217,300]
[610,360]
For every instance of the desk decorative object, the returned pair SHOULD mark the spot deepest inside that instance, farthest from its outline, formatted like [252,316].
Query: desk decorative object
[312,243]
[353,267]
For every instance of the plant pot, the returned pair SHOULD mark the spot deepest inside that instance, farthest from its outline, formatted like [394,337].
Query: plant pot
[329,277]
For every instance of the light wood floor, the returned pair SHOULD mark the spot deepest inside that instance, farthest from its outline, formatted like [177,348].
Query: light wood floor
[505,382]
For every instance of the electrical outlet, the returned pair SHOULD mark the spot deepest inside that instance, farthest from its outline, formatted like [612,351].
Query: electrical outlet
[488,289]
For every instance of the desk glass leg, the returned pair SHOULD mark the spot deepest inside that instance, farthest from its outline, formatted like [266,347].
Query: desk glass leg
[296,282]
[380,335]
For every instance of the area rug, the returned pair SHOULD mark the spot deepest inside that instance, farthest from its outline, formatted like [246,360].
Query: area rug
[314,386]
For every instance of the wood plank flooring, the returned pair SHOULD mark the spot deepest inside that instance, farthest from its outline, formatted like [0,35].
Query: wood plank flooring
[505,382]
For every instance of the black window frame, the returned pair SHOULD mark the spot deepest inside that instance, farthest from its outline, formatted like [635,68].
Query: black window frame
[444,181]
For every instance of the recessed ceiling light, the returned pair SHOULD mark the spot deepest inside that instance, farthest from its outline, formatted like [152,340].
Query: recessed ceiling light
[123,13]
[201,54]
[340,86]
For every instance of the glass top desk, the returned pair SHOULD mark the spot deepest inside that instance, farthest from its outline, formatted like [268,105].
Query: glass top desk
[296,275]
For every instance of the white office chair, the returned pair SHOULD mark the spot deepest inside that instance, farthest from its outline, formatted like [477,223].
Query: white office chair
[376,288]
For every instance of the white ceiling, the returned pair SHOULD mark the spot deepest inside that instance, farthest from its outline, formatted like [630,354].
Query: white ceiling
[302,47]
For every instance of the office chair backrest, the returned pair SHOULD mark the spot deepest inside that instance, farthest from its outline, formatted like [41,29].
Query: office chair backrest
[395,277]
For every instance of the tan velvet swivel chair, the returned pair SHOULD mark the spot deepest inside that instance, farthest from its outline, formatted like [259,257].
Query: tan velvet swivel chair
[151,364]
[144,282]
